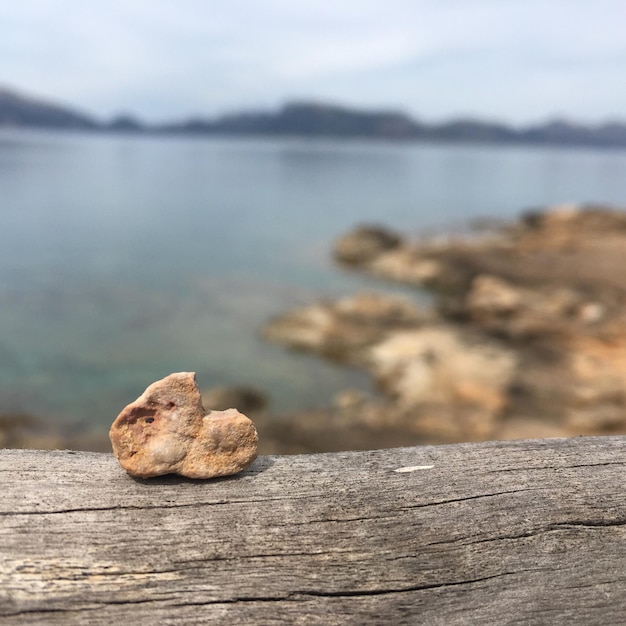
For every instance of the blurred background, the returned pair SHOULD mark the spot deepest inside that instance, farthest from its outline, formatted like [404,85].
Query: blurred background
[365,224]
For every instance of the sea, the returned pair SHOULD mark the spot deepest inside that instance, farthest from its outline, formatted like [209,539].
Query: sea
[124,258]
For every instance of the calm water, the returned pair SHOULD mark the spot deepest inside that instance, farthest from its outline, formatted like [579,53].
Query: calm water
[123,259]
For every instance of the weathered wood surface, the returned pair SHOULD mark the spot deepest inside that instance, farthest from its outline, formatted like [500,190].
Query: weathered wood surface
[530,532]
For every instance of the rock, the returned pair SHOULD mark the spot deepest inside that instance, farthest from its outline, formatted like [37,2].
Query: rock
[574,222]
[345,329]
[525,338]
[403,265]
[364,244]
[441,366]
[307,328]
[166,431]
[491,296]
[518,312]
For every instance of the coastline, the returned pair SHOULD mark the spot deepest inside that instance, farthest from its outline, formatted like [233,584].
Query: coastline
[526,337]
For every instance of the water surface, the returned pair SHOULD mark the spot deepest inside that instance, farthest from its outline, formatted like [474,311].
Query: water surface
[123,258]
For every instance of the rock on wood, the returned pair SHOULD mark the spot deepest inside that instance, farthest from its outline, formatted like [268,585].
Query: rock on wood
[528,532]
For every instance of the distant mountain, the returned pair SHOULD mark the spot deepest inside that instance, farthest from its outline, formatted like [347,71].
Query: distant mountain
[320,120]
[21,111]
[307,119]
[125,123]
[471,130]
[563,133]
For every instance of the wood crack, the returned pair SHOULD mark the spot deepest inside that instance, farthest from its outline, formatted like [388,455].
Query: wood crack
[341,520]
[530,533]
[465,499]
[160,507]
[379,592]
[356,593]
[43,611]
[543,468]
[587,524]
[94,606]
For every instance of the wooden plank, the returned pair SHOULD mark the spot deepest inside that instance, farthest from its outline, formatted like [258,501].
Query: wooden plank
[527,532]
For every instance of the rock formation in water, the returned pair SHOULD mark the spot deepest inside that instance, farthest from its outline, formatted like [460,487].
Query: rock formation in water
[527,337]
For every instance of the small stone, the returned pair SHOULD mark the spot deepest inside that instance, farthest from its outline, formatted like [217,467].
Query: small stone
[167,431]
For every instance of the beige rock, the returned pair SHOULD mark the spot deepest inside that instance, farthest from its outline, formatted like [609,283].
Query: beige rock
[441,365]
[364,244]
[167,431]
[405,266]
[345,329]
[526,336]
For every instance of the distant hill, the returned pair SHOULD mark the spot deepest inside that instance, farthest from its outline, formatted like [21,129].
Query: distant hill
[309,119]
[21,111]
[321,120]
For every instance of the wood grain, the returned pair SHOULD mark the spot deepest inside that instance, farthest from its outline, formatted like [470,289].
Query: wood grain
[527,532]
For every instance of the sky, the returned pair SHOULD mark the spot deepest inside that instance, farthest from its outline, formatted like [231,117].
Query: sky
[515,61]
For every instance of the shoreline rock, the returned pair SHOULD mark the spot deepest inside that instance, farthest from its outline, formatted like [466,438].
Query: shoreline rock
[527,336]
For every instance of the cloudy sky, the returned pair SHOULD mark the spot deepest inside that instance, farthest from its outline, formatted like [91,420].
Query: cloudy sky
[513,60]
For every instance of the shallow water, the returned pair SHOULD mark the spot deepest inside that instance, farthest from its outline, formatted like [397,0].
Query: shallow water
[123,259]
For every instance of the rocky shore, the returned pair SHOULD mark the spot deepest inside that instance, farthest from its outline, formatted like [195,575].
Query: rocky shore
[526,338]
